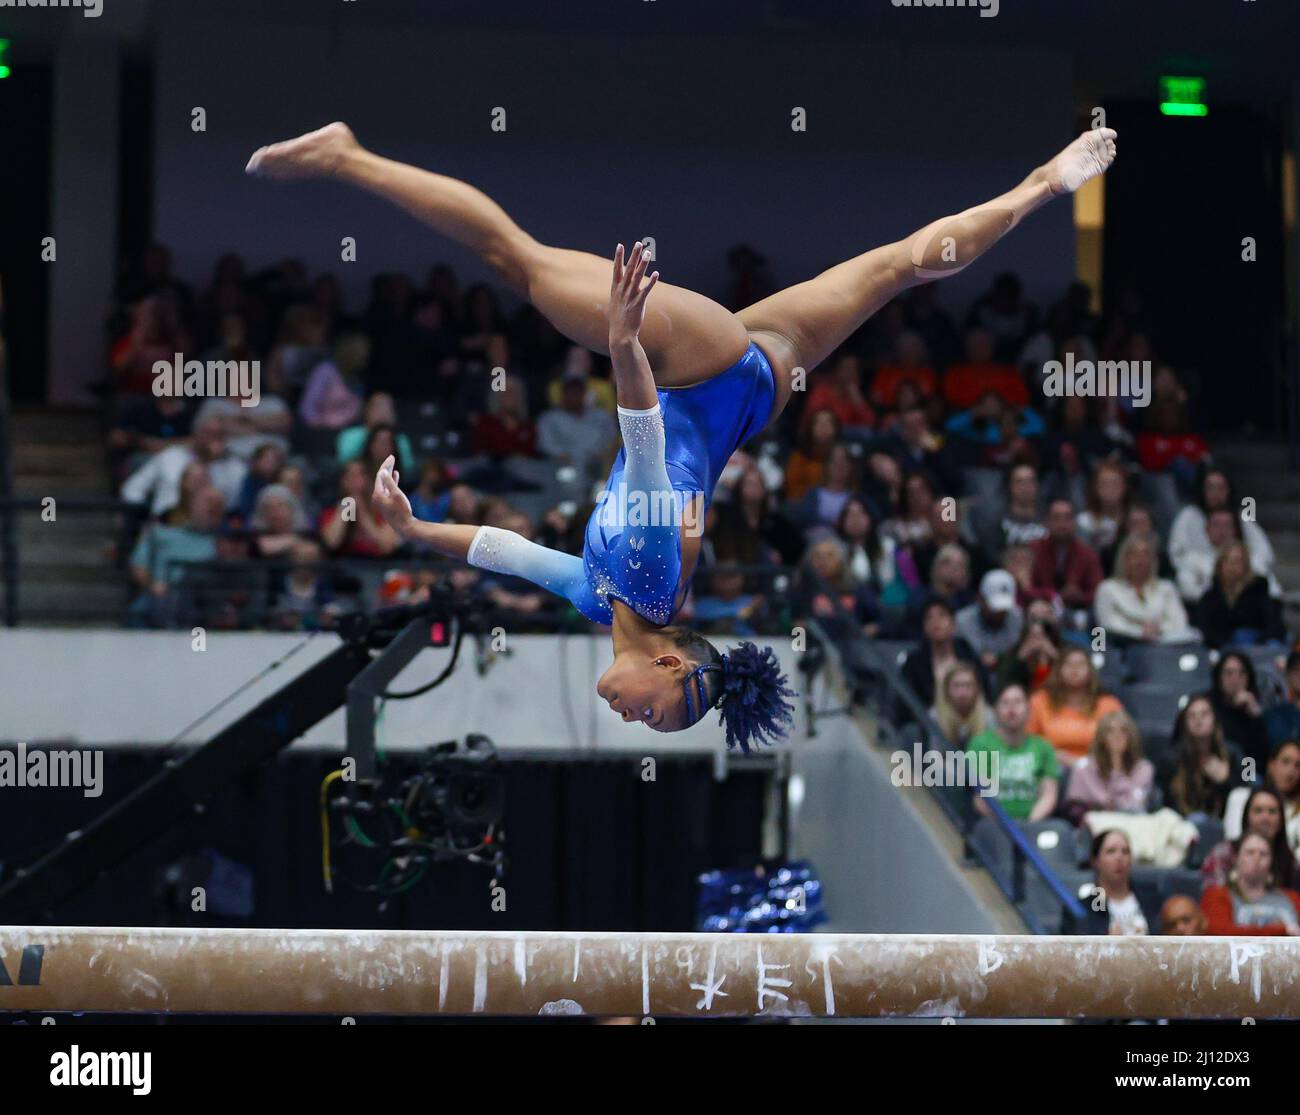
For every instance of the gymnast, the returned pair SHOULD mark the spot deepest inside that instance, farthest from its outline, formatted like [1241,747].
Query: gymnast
[693,381]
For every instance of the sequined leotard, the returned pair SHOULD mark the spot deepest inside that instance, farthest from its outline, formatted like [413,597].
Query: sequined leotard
[671,453]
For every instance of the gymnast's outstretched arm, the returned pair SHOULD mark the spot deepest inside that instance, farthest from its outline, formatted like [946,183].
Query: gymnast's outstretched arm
[490,548]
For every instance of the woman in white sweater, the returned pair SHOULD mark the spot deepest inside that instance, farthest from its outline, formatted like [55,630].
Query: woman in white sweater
[1137,604]
[1192,550]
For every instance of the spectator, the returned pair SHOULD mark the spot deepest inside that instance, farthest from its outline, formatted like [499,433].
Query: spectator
[332,399]
[1281,775]
[251,421]
[156,335]
[964,385]
[380,410]
[1106,507]
[149,424]
[1282,722]
[826,586]
[959,707]
[910,363]
[806,464]
[1030,663]
[1189,540]
[193,480]
[1236,607]
[431,499]
[725,600]
[1251,904]
[916,560]
[157,481]
[1027,771]
[1113,776]
[993,434]
[1112,907]
[600,392]
[160,555]
[1203,767]
[1166,442]
[993,624]
[1138,523]
[1018,561]
[839,390]
[1018,523]
[822,504]
[915,446]
[277,522]
[306,601]
[300,345]
[351,528]
[871,552]
[750,530]
[1136,604]
[1005,313]
[1077,442]
[1196,573]
[381,443]
[1263,813]
[506,430]
[950,577]
[1181,916]
[1070,705]
[926,318]
[264,469]
[573,432]
[940,649]
[914,524]
[1234,692]
[1063,565]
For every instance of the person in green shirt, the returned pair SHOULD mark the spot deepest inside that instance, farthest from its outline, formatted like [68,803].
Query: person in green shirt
[1026,769]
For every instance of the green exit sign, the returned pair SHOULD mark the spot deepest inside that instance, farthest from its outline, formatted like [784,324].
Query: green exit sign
[1183,96]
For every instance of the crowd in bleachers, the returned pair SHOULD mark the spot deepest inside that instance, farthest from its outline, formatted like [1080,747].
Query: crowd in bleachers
[1040,560]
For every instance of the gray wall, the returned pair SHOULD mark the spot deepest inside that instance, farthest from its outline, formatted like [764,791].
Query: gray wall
[687,140]
[883,868]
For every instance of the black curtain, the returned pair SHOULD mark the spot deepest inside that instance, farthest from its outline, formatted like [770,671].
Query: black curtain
[1184,194]
[589,845]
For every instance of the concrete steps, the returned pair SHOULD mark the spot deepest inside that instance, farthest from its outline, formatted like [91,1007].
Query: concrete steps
[67,568]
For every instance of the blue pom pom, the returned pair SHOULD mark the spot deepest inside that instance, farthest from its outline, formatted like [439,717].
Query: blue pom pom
[753,702]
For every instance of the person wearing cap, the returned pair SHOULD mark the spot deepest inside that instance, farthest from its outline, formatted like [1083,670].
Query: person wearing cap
[992,625]
[573,432]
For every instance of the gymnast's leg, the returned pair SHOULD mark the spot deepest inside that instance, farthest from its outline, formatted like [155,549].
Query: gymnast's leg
[802,325]
[687,337]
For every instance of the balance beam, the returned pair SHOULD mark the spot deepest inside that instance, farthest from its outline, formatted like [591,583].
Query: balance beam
[692,975]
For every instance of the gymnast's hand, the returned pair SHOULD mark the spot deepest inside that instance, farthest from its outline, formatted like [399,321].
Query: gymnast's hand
[391,500]
[626,294]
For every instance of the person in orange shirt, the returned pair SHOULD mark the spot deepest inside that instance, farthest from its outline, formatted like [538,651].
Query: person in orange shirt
[1251,904]
[964,385]
[911,364]
[840,391]
[1067,709]
[806,466]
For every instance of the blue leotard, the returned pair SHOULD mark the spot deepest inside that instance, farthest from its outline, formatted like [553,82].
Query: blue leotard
[671,454]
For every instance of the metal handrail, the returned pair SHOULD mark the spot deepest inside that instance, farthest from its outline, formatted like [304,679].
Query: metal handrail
[859,654]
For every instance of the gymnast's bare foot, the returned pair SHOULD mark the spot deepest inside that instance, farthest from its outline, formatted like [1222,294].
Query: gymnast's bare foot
[314,155]
[1088,156]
